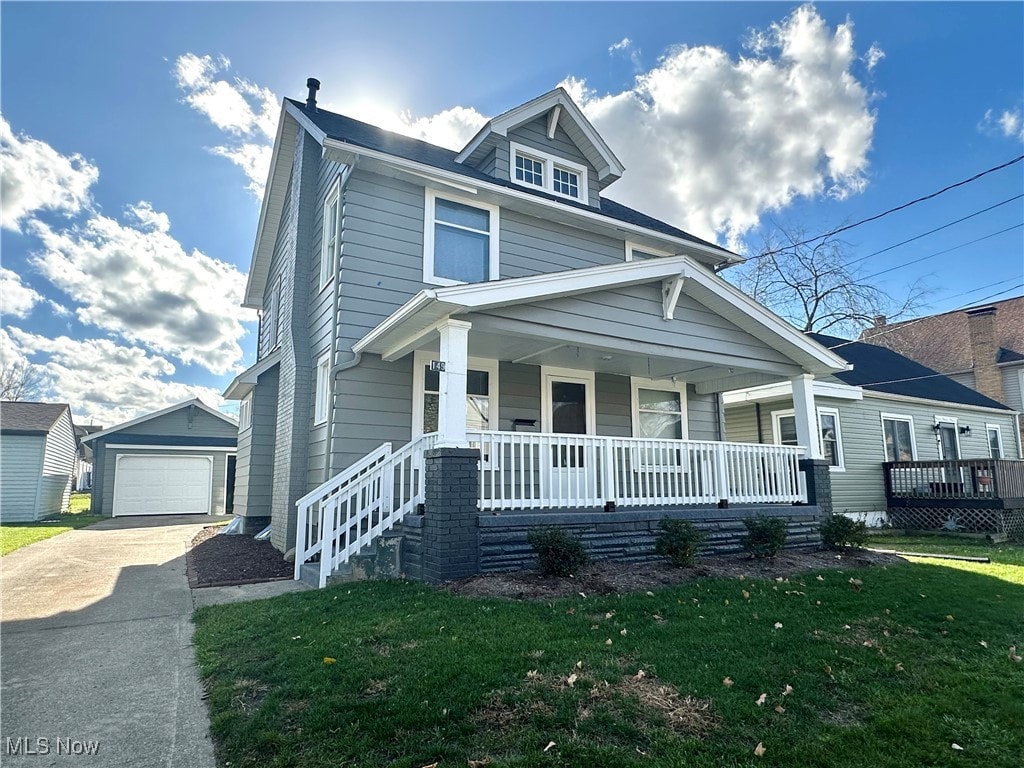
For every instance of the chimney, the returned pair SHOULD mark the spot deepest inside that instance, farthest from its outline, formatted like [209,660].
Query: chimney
[981,324]
[879,321]
[314,85]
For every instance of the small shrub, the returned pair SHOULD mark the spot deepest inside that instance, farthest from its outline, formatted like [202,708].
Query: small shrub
[558,553]
[679,541]
[840,531]
[765,536]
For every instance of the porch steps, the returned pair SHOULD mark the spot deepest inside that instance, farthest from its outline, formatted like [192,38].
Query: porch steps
[380,559]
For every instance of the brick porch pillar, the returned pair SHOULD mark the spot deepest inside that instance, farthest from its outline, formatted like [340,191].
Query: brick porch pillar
[819,483]
[451,539]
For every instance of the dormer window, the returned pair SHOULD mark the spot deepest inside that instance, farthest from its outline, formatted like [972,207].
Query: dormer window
[555,175]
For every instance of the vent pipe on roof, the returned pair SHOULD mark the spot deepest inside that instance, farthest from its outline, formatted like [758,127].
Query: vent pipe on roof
[314,85]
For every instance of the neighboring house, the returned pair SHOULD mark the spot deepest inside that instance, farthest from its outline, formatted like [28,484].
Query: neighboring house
[180,460]
[982,347]
[83,466]
[37,460]
[888,408]
[414,298]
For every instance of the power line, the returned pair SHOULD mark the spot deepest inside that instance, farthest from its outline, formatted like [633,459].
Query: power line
[877,216]
[933,231]
[940,253]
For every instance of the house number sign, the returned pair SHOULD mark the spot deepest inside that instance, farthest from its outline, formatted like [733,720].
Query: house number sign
[437,366]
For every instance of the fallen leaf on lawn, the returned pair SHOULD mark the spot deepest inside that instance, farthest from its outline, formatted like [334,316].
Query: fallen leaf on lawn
[817,602]
[329,660]
[608,641]
[432,765]
[658,617]
[479,763]
[983,644]
[761,699]
[571,611]
[787,690]
[887,611]
[779,708]
[949,617]
[742,577]
[778,625]
[956,746]
[640,675]
[649,593]
[579,665]
[297,637]
[828,670]
[899,667]
[593,626]
[727,682]
[726,601]
[609,614]
[1013,656]
[533,674]
[759,750]
[746,595]
[847,626]
[886,633]
[584,596]
[856,584]
[549,746]
[622,631]
[571,680]
[820,578]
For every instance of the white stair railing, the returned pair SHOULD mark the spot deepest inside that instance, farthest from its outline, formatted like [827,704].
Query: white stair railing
[530,470]
[354,507]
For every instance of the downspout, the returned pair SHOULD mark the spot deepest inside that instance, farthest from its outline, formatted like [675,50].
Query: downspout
[757,418]
[335,312]
[720,409]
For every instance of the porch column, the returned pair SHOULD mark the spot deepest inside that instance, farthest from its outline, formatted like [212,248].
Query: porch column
[451,416]
[808,434]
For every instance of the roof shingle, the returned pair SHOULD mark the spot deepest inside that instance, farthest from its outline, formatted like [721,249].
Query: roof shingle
[20,418]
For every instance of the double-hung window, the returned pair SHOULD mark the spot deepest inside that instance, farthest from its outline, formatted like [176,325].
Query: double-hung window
[898,434]
[481,394]
[659,409]
[245,413]
[460,241]
[784,429]
[995,440]
[332,224]
[533,168]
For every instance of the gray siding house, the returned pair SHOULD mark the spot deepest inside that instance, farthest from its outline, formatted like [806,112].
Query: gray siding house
[887,408]
[179,460]
[37,460]
[494,300]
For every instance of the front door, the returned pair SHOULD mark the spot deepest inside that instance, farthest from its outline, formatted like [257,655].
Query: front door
[949,450]
[568,399]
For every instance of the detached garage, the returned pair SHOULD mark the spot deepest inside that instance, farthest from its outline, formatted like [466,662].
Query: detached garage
[178,461]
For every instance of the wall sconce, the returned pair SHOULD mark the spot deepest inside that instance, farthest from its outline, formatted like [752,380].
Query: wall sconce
[965,431]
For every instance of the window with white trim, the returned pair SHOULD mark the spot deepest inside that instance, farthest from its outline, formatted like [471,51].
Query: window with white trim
[784,433]
[245,413]
[534,168]
[271,317]
[481,394]
[322,393]
[460,241]
[331,238]
[995,441]
[898,437]
[659,409]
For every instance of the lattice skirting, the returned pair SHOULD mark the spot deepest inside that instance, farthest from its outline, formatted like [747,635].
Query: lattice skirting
[1008,521]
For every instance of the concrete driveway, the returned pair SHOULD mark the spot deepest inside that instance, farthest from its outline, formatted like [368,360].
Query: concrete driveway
[96,646]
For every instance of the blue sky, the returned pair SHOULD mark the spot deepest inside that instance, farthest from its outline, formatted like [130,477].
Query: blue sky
[122,289]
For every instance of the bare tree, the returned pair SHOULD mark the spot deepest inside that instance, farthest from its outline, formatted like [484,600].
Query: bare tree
[20,381]
[817,288]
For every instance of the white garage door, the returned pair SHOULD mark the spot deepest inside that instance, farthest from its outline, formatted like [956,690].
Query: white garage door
[162,485]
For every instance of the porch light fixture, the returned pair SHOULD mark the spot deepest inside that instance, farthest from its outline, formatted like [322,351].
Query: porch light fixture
[965,430]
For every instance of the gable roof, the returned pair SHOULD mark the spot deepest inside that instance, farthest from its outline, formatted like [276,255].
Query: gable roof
[878,369]
[149,416]
[943,342]
[21,418]
[580,130]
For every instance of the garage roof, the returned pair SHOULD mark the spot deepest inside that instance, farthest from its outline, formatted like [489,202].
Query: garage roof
[194,401]
[19,418]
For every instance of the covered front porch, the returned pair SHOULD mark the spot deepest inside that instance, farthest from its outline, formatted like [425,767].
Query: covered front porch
[596,389]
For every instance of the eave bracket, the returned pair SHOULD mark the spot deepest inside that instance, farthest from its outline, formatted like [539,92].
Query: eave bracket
[670,290]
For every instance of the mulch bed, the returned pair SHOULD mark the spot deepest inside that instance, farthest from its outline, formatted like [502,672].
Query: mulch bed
[214,560]
[605,578]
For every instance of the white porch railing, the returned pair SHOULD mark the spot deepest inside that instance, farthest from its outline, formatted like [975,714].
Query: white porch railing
[353,508]
[528,470]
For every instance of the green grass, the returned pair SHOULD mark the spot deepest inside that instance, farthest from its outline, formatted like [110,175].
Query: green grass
[890,675]
[17,535]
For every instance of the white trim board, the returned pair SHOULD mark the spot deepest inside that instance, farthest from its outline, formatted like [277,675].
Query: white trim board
[784,389]
[198,449]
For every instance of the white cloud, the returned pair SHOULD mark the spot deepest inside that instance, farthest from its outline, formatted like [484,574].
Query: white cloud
[711,143]
[105,383]
[1009,123]
[245,111]
[625,47]
[622,45]
[37,177]
[16,298]
[135,279]
[874,55]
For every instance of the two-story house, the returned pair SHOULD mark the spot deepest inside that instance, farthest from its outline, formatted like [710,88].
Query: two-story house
[493,301]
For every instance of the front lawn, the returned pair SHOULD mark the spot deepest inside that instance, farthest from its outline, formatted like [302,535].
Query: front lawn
[17,535]
[893,668]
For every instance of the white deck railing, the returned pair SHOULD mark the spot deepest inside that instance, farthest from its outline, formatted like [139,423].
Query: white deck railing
[353,508]
[528,470]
